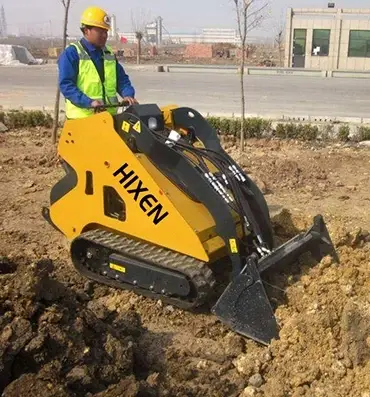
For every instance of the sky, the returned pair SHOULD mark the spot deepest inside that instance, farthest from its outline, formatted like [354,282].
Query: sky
[178,16]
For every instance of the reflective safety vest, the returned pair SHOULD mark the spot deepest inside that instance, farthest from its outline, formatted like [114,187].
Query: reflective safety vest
[89,82]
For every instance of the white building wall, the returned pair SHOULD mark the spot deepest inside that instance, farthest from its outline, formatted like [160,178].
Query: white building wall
[340,22]
[208,36]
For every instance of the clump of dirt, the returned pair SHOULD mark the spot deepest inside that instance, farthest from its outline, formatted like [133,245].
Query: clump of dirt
[324,345]
[313,167]
[61,341]
[277,170]
[53,340]
[289,173]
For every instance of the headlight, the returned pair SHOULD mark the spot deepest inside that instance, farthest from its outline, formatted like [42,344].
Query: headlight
[152,123]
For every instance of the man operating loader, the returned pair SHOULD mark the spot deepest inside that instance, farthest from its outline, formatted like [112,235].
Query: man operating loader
[89,73]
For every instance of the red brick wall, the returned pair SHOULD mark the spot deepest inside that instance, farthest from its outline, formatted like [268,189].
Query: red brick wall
[198,51]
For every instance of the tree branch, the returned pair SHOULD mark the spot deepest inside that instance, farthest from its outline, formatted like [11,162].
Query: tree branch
[254,24]
[245,16]
[139,22]
[259,17]
[259,11]
[248,18]
[279,31]
[238,18]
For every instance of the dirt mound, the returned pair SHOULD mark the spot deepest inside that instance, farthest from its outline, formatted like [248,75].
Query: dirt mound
[272,167]
[53,340]
[324,315]
[288,173]
[324,347]
[61,341]
[62,335]
[67,341]
[311,167]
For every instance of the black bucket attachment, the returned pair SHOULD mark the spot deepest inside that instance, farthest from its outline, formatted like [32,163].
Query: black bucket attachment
[244,305]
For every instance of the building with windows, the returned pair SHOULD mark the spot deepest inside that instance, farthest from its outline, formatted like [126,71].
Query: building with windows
[328,39]
[159,36]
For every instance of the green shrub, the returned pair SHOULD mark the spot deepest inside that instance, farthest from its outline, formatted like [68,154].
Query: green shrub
[39,119]
[267,127]
[214,122]
[254,127]
[343,133]
[225,125]
[327,132]
[287,131]
[291,131]
[235,126]
[2,117]
[15,119]
[309,132]
[363,133]
[305,132]
[24,119]
[280,131]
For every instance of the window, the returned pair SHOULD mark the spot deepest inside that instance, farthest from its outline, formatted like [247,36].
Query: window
[321,42]
[300,41]
[359,43]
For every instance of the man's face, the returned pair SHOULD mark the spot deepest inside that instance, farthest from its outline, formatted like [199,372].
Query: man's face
[97,36]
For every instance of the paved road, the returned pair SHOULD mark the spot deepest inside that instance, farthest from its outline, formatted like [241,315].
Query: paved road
[33,86]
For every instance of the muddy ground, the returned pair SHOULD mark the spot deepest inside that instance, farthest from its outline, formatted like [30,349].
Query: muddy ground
[61,335]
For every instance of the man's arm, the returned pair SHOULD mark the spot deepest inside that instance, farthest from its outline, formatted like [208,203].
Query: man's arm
[68,72]
[124,86]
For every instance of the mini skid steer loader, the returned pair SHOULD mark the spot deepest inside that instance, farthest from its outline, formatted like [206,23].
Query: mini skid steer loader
[152,203]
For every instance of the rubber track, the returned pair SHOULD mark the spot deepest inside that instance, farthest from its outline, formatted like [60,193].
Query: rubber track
[201,277]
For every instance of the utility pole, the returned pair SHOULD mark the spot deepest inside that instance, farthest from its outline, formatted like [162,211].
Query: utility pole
[3,24]
[51,33]
[159,31]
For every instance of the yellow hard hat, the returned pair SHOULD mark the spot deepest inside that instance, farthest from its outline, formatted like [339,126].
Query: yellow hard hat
[94,16]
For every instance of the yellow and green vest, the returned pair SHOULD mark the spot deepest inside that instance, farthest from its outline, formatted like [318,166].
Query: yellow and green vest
[89,82]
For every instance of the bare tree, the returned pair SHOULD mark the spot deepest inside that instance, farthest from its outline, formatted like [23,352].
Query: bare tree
[66,5]
[279,28]
[250,15]
[139,20]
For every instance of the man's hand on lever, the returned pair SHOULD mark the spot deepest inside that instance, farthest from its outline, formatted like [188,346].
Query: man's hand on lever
[130,100]
[97,103]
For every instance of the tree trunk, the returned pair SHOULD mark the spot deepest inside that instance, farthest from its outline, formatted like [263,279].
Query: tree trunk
[280,56]
[242,98]
[247,20]
[138,51]
[57,98]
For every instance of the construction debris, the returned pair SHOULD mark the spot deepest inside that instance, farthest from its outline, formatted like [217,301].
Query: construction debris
[16,55]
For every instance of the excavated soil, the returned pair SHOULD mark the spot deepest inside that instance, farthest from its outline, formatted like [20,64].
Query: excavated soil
[62,335]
